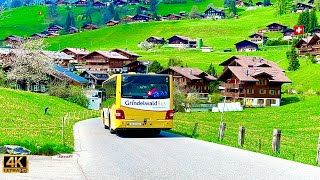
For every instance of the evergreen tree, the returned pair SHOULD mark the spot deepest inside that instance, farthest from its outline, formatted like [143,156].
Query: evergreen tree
[293,60]
[111,9]
[211,70]
[194,12]
[153,6]
[313,20]
[250,2]
[139,10]
[90,3]
[155,67]
[284,7]
[52,11]
[68,22]
[106,14]
[116,16]
[266,2]
[226,3]
[233,8]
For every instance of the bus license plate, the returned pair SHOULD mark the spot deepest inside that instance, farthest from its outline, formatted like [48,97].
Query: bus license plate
[135,124]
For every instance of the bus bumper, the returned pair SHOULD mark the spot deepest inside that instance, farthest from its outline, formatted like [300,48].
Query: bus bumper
[134,124]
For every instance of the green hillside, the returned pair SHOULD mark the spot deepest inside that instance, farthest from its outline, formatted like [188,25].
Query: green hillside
[23,121]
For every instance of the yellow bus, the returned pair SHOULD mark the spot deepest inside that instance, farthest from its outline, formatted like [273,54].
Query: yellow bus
[138,102]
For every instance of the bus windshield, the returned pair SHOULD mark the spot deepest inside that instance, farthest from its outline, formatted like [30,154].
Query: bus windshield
[145,87]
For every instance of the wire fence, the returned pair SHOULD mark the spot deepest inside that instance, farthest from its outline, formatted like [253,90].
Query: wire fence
[293,145]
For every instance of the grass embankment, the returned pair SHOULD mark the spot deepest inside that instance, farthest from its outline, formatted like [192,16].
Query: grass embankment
[24,123]
[298,118]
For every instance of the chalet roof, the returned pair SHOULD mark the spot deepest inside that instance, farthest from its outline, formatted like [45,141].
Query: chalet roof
[215,9]
[287,30]
[171,14]
[74,28]
[14,38]
[112,21]
[247,68]
[109,54]
[98,3]
[137,61]
[303,41]
[141,15]
[77,51]
[259,3]
[304,5]
[157,38]
[126,52]
[314,38]
[315,30]
[90,26]
[190,73]
[260,35]
[69,74]
[57,55]
[184,38]
[94,73]
[246,42]
[276,24]
[57,26]
[38,34]
[5,51]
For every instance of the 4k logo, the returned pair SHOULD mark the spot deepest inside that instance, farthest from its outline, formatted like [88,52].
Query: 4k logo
[15,164]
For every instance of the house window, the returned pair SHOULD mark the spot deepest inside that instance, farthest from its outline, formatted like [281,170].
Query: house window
[43,88]
[19,86]
[260,101]
[279,92]
[262,91]
[273,101]
[272,92]
[250,91]
[35,87]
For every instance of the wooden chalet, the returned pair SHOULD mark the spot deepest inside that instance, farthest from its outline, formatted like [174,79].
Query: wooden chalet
[13,40]
[301,7]
[182,42]
[275,27]
[108,61]
[254,80]
[191,79]
[141,18]
[127,19]
[309,45]
[49,3]
[289,35]
[144,9]
[76,53]
[57,74]
[246,46]
[112,23]
[134,2]
[128,54]
[316,30]
[258,38]
[73,30]
[136,66]
[98,4]
[215,13]
[37,36]
[183,13]
[87,27]
[61,2]
[119,3]
[259,3]
[94,78]
[173,17]
[310,2]
[54,29]
[52,35]
[62,59]
[156,40]
[80,3]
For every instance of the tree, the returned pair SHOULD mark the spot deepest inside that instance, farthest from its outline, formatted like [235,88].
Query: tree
[250,2]
[29,64]
[194,12]
[52,11]
[106,14]
[174,62]
[293,60]
[90,3]
[116,16]
[153,6]
[304,20]
[69,21]
[146,45]
[226,3]
[233,8]
[111,9]
[211,70]
[316,5]
[16,3]
[313,20]
[155,67]
[284,7]
[266,2]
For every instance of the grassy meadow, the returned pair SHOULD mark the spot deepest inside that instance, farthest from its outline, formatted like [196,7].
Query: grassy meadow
[24,123]
[297,118]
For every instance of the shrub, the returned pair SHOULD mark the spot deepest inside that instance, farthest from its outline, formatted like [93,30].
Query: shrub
[58,89]
[3,79]
[215,98]
[77,96]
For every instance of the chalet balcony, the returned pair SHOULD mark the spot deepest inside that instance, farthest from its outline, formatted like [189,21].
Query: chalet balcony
[96,67]
[315,52]
[233,94]
[316,46]
[231,86]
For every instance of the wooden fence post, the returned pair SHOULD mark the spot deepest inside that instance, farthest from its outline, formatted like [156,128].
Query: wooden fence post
[62,131]
[222,128]
[241,134]
[260,144]
[276,140]
[195,129]
[318,152]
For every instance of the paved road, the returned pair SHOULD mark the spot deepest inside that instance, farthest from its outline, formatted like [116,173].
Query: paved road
[167,156]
